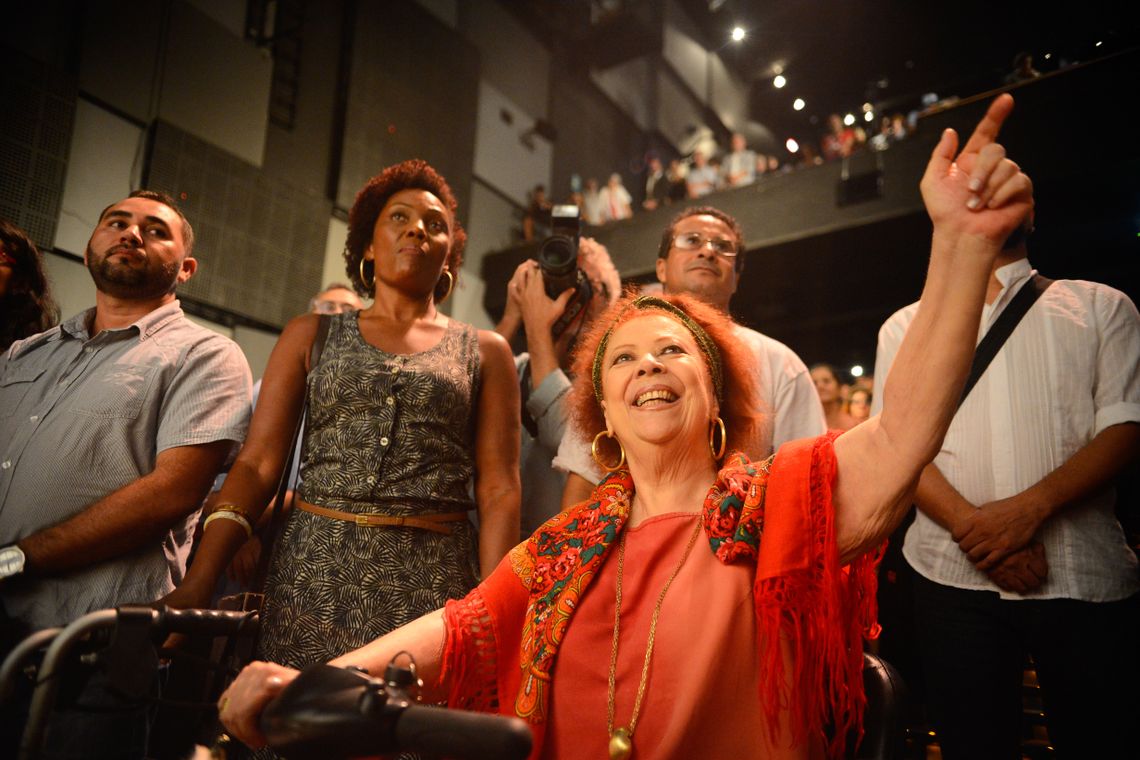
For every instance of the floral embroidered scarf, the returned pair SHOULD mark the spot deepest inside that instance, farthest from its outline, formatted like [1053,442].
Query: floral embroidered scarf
[801,595]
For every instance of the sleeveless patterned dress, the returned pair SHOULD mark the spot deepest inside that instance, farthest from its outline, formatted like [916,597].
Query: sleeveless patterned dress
[386,434]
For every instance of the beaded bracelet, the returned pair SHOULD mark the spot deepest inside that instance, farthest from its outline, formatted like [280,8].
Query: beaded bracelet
[226,514]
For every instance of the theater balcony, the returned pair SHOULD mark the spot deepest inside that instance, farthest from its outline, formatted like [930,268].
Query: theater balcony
[834,249]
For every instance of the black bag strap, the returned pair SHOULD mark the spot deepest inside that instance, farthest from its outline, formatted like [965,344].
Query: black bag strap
[1002,328]
[269,534]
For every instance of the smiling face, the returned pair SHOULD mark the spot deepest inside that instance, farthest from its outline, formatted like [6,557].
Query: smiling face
[410,242]
[700,272]
[137,250]
[656,388]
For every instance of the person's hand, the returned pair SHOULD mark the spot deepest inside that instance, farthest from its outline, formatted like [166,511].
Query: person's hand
[1022,571]
[539,311]
[188,595]
[997,529]
[243,567]
[240,706]
[978,191]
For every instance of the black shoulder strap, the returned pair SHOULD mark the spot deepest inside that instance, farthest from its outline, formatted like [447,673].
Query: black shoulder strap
[269,535]
[1002,328]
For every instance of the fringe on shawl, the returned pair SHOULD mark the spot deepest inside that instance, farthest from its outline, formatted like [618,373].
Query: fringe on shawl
[470,666]
[823,613]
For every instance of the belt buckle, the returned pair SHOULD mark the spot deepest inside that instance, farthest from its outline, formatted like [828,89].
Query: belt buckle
[362,520]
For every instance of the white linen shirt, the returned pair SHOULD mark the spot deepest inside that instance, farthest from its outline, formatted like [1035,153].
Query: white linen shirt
[1069,370]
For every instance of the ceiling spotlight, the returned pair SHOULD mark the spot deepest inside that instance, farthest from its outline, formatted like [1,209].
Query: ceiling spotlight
[869,116]
[857,370]
[849,119]
[867,107]
[737,33]
[1048,56]
[792,145]
[1099,43]
[798,104]
[779,81]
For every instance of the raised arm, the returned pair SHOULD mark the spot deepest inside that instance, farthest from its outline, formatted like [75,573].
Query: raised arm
[497,430]
[975,199]
[253,477]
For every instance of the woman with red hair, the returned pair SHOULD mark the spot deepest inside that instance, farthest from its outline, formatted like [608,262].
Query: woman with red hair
[406,407]
[700,597]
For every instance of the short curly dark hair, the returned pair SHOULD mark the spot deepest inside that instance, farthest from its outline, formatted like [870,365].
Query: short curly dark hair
[26,305]
[716,213]
[166,200]
[408,175]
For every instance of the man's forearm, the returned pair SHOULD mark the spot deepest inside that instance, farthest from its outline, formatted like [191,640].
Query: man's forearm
[939,500]
[134,516]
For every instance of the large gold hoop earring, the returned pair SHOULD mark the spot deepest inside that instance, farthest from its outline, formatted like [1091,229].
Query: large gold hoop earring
[598,459]
[450,285]
[717,452]
[364,280]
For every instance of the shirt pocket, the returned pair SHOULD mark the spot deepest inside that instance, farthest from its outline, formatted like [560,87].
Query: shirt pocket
[14,387]
[117,391]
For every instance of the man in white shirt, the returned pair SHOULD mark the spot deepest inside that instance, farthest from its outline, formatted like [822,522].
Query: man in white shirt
[702,255]
[1016,545]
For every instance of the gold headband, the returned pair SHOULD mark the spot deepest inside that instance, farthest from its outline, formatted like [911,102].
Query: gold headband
[704,342]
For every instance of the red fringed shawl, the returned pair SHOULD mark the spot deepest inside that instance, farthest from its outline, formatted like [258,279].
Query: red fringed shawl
[503,638]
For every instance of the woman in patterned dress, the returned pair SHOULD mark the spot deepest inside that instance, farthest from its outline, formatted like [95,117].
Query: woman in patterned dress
[695,605]
[406,408]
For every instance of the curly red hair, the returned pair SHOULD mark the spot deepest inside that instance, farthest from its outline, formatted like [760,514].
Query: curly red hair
[415,174]
[740,409]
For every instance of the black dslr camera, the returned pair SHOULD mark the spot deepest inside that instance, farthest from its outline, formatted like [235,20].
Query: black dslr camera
[558,261]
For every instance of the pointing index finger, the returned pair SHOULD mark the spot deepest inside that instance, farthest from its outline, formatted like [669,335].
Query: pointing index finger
[987,130]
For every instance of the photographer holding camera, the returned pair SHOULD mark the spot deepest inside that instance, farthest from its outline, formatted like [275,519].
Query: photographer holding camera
[553,296]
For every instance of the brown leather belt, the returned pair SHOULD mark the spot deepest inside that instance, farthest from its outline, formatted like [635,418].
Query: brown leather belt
[437,523]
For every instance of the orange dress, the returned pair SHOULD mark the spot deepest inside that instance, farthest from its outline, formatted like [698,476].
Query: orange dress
[705,664]
[760,627]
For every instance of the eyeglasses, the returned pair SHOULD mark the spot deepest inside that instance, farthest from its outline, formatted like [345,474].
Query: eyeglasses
[692,241]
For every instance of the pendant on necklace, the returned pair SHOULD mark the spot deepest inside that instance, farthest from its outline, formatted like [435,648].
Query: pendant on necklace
[621,744]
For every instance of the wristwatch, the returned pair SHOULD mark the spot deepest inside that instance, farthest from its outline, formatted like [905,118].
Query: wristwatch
[11,561]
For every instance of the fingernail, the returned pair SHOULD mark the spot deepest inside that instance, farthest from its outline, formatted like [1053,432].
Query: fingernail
[975,185]
[973,202]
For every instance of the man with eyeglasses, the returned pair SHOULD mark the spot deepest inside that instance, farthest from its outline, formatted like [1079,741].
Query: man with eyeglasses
[701,255]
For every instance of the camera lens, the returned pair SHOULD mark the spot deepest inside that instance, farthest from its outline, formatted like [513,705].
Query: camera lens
[558,260]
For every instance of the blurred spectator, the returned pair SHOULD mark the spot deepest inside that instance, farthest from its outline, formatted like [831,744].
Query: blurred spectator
[899,129]
[839,142]
[761,164]
[826,381]
[615,200]
[536,220]
[702,178]
[592,207]
[858,405]
[740,164]
[656,185]
[1023,69]
[678,187]
[773,164]
[882,140]
[26,305]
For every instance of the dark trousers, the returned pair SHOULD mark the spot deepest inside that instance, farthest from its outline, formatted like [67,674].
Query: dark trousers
[973,649]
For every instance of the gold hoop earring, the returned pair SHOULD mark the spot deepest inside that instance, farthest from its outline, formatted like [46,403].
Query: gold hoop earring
[598,459]
[717,453]
[450,285]
[364,280]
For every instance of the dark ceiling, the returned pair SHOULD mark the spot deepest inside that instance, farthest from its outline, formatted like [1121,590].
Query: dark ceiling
[838,54]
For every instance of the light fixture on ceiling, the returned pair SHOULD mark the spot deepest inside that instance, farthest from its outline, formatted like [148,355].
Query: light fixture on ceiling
[798,104]
[792,145]
[738,33]
[849,119]
[779,81]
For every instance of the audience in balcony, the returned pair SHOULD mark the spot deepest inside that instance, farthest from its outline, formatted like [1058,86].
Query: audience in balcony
[740,165]
[616,201]
[702,178]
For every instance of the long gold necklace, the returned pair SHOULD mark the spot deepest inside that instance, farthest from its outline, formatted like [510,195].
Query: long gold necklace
[621,739]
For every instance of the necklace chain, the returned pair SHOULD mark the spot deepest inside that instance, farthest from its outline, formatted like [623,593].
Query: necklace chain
[641,686]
